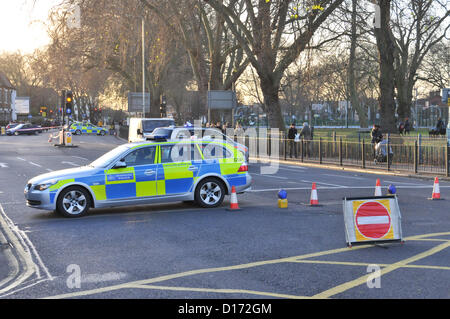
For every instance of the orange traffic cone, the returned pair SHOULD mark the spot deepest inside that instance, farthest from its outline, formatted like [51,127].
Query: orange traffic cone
[234,202]
[314,201]
[378,188]
[436,191]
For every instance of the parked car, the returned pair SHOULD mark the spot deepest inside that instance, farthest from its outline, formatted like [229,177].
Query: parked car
[141,128]
[11,125]
[27,128]
[79,128]
[144,173]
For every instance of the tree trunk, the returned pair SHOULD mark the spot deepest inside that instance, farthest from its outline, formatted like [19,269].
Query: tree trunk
[386,49]
[362,113]
[404,99]
[272,103]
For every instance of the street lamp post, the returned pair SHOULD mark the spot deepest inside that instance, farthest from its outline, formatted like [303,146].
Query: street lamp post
[143,69]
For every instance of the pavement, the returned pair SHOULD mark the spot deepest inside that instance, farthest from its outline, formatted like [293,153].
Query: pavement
[178,250]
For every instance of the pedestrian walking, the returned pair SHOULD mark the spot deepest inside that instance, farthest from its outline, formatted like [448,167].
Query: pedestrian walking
[291,140]
[306,134]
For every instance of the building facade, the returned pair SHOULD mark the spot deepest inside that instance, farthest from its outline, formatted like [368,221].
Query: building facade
[7,100]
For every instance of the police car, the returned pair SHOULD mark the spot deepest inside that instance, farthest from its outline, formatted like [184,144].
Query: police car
[77,128]
[142,173]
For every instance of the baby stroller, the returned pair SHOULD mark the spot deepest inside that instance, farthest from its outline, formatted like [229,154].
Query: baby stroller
[381,152]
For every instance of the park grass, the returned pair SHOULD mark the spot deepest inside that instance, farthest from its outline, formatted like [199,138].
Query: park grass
[358,135]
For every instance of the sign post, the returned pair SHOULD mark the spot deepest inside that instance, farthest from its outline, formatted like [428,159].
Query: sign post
[221,100]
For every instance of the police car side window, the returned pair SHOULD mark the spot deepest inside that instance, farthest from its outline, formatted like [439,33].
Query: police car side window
[212,151]
[179,153]
[141,156]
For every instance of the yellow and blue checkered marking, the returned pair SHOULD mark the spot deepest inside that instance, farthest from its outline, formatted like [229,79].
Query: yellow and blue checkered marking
[163,179]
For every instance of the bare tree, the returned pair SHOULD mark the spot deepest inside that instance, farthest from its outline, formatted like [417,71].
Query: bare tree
[418,26]
[265,43]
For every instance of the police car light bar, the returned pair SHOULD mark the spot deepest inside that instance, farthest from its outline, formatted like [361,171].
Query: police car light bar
[157,138]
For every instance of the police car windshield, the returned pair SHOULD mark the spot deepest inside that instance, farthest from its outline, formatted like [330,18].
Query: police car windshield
[106,159]
[149,126]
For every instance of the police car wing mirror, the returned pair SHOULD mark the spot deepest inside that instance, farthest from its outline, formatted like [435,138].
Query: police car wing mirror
[120,164]
[139,132]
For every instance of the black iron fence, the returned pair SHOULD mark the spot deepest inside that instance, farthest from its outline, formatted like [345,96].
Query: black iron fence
[411,156]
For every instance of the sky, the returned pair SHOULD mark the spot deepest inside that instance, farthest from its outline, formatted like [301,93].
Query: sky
[22,24]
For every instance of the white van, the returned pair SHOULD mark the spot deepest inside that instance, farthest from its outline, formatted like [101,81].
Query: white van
[141,128]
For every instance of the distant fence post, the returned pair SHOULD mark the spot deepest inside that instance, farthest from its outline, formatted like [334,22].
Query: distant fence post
[363,152]
[447,164]
[285,145]
[340,151]
[419,151]
[415,156]
[302,148]
[388,151]
[320,150]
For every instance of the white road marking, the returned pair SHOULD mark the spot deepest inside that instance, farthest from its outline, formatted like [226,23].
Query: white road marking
[70,163]
[3,165]
[34,164]
[402,183]
[20,158]
[83,158]
[294,167]
[270,176]
[334,188]
[25,251]
[351,177]
[48,169]
[341,186]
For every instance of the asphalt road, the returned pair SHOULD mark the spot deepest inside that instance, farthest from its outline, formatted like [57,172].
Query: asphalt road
[180,251]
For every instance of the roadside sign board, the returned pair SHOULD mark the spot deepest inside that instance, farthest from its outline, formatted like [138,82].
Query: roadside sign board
[22,105]
[372,219]
[135,102]
[221,100]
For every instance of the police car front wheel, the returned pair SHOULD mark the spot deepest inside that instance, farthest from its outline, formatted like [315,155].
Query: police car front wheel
[210,193]
[73,202]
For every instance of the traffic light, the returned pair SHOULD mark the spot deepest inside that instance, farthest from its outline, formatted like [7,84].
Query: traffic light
[445,92]
[69,102]
[163,106]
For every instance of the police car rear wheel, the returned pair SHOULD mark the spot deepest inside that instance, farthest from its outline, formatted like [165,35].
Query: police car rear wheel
[73,202]
[77,132]
[209,193]
[102,133]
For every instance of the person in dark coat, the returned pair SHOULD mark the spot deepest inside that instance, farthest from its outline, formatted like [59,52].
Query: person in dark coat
[291,139]
[306,134]
[407,126]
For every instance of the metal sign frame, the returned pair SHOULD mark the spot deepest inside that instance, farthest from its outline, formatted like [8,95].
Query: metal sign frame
[350,226]
[221,100]
[135,100]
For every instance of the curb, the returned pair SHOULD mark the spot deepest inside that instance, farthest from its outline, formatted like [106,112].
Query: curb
[427,176]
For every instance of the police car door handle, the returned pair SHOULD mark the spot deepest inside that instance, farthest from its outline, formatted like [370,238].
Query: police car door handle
[149,172]
[193,168]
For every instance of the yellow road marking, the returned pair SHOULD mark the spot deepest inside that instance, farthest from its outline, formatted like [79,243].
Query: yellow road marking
[300,258]
[362,280]
[226,291]
[345,263]
[201,271]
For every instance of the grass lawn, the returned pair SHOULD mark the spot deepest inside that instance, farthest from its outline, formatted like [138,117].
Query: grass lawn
[355,135]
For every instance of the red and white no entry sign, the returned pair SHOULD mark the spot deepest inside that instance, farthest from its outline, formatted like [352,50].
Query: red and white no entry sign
[373,220]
